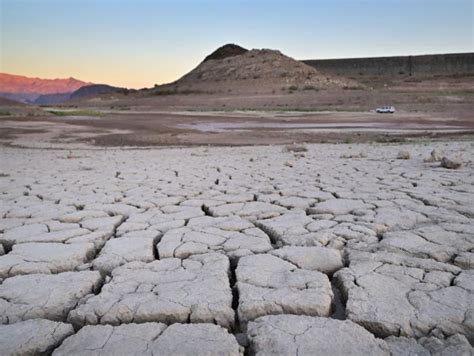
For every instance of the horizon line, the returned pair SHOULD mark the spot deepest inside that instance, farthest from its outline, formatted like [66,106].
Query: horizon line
[300,60]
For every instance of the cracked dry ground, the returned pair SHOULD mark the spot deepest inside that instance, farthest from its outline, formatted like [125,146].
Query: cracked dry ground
[228,251]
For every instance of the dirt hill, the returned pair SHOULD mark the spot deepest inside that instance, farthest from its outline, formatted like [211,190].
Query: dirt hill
[233,69]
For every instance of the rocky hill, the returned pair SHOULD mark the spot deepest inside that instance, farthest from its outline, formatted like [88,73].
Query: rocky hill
[228,50]
[234,69]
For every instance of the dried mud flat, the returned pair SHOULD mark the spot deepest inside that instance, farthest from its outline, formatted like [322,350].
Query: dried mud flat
[113,128]
[326,249]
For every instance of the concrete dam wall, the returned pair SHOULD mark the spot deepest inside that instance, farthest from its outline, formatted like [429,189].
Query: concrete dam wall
[437,64]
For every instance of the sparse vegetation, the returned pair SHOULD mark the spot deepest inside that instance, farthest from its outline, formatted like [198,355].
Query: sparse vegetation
[295,148]
[354,155]
[120,107]
[349,87]
[5,113]
[75,113]
[176,92]
[459,92]
[310,87]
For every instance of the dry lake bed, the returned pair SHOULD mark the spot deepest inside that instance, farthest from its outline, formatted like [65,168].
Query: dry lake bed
[271,250]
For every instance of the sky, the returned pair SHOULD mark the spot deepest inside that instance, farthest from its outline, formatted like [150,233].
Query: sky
[139,43]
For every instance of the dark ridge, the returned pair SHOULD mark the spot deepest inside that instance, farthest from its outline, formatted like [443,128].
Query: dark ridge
[51,99]
[96,89]
[228,50]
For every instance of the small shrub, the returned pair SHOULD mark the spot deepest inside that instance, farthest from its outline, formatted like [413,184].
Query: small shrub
[295,148]
[348,87]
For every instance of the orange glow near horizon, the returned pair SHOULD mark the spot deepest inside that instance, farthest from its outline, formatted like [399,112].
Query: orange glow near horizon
[121,74]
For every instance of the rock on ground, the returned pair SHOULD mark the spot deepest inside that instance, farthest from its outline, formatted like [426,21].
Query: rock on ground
[451,163]
[304,335]
[269,285]
[49,296]
[169,291]
[32,337]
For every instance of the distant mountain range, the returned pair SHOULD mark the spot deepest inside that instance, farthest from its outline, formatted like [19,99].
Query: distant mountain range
[49,91]
[11,83]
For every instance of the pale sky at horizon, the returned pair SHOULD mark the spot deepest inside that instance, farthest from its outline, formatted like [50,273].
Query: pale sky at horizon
[139,43]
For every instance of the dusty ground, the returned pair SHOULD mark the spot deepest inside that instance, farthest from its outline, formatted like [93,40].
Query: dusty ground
[427,108]
[161,128]
[334,249]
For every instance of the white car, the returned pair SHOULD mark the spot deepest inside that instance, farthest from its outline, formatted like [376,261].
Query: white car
[385,110]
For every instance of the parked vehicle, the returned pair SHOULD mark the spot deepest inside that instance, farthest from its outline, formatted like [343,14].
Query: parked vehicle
[385,110]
